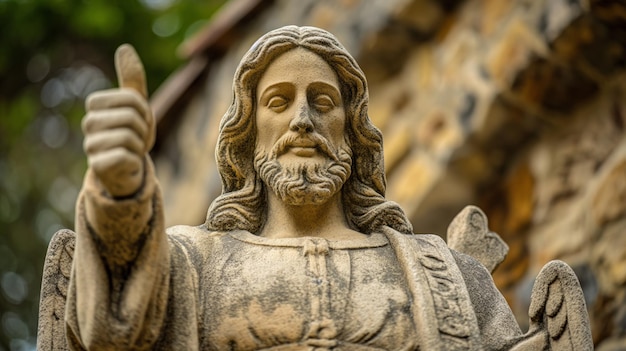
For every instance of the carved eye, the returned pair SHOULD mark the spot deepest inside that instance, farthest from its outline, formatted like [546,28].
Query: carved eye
[277,103]
[323,103]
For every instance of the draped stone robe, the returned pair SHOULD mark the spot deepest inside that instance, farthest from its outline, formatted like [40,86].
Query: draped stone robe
[135,286]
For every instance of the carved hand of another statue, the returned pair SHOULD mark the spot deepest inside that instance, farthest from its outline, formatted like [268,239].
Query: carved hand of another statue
[119,128]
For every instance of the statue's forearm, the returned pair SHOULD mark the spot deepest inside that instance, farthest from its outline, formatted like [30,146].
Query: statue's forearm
[119,225]
[120,279]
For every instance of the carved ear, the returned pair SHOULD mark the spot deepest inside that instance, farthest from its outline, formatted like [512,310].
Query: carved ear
[469,233]
[54,285]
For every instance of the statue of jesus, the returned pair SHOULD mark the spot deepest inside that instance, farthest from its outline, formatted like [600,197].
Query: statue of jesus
[301,251]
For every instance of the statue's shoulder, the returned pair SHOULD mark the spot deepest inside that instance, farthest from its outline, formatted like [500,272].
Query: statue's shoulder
[194,233]
[194,242]
[420,242]
[428,240]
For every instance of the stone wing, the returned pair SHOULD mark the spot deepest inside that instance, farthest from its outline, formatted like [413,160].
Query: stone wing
[558,314]
[469,233]
[54,286]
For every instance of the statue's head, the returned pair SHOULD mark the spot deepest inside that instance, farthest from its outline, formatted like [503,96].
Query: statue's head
[354,155]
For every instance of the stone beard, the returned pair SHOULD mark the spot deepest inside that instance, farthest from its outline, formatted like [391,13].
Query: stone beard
[303,183]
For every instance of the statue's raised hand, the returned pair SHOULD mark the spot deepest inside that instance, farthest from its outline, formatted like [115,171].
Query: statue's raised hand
[119,127]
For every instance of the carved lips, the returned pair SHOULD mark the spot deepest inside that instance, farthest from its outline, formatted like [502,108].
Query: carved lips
[304,146]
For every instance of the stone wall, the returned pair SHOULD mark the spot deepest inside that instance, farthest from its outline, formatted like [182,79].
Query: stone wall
[517,106]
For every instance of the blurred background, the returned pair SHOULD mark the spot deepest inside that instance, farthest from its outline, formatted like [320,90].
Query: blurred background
[516,106]
[52,54]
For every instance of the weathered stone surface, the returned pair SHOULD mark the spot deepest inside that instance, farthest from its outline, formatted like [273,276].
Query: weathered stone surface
[469,233]
[301,249]
[558,307]
[54,289]
[538,92]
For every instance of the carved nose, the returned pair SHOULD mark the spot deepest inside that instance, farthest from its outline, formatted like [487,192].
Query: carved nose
[302,121]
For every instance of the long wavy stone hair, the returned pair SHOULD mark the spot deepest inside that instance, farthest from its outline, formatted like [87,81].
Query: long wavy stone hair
[242,202]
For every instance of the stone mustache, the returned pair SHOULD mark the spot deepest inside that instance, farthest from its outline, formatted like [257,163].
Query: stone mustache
[301,251]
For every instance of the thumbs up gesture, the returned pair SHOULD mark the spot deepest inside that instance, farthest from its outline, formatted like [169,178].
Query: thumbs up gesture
[119,128]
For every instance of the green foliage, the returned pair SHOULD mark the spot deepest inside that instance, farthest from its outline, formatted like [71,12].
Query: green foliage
[53,53]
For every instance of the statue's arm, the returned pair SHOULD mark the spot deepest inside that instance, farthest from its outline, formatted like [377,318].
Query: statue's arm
[119,132]
[120,277]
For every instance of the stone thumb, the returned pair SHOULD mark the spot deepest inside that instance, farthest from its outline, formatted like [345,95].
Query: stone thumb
[129,69]
[131,74]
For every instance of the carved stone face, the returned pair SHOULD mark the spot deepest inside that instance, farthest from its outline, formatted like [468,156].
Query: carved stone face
[300,121]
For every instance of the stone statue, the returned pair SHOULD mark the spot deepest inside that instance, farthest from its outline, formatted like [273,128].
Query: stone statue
[301,251]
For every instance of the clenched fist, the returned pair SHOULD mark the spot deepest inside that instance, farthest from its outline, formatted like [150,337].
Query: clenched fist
[119,127]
